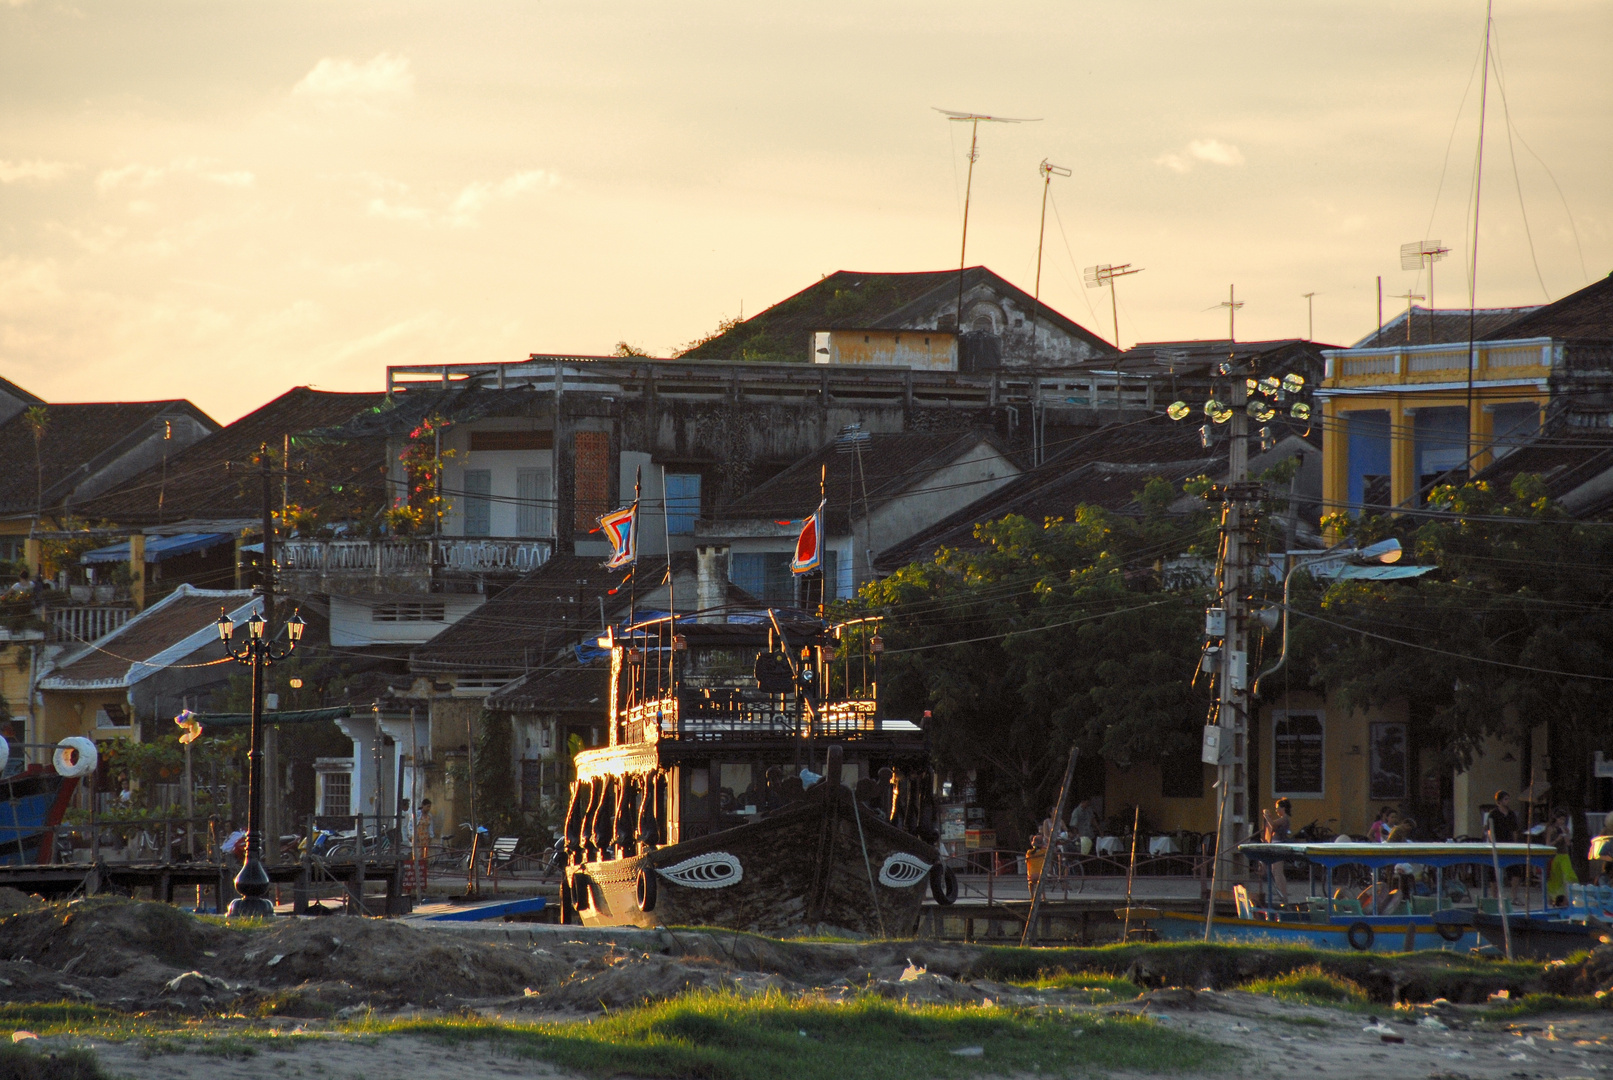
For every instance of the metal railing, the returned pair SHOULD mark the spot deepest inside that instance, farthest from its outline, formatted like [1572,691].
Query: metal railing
[89,622]
[411,557]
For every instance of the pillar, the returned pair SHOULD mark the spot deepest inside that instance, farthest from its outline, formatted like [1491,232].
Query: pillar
[137,570]
[32,555]
[1335,462]
[1402,452]
[1480,432]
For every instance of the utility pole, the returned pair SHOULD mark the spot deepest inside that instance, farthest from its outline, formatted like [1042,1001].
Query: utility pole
[1310,316]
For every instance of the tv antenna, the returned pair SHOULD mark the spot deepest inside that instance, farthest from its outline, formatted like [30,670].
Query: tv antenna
[1408,297]
[1097,277]
[1415,256]
[1232,304]
[973,119]
[1310,317]
[1048,171]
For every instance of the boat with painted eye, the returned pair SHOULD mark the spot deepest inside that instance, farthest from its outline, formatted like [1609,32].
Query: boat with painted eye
[751,781]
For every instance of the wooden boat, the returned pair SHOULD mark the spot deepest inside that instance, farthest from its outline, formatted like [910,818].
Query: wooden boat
[1434,922]
[737,791]
[32,803]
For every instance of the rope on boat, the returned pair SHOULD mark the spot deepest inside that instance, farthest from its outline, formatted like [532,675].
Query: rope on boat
[868,866]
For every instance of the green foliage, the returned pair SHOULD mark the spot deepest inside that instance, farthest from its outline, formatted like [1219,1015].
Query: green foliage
[1097,988]
[1312,985]
[1516,626]
[19,1062]
[498,790]
[162,761]
[1049,634]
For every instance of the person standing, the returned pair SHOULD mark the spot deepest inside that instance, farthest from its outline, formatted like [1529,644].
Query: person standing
[1502,821]
[1279,830]
[1084,825]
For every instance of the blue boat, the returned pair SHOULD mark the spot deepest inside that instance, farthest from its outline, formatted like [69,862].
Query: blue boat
[32,803]
[1433,922]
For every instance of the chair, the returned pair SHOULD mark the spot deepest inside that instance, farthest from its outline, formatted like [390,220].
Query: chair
[1240,897]
[1580,900]
[1492,906]
[502,854]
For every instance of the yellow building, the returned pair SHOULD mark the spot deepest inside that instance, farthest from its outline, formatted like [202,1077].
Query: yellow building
[1399,414]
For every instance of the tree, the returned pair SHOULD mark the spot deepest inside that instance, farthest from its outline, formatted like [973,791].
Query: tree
[1049,635]
[37,417]
[1515,630]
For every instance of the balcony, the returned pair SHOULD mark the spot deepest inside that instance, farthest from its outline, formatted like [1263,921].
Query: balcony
[1428,366]
[405,565]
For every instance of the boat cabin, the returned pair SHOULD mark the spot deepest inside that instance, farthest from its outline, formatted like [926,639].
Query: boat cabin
[714,725]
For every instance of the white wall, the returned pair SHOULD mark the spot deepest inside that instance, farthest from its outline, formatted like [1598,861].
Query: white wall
[972,476]
[353,621]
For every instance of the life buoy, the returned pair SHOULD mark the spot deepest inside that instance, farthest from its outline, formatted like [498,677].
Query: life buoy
[1450,931]
[75,756]
[1361,936]
[644,889]
[943,884]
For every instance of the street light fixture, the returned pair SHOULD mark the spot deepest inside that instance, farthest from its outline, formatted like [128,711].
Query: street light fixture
[1384,552]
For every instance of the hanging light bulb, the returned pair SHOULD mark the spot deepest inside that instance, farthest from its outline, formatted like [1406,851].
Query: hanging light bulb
[1260,410]
[1177,410]
[1270,385]
[1300,411]
[1293,383]
[1212,407]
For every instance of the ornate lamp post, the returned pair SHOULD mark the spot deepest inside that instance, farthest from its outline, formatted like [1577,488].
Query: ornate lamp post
[259,652]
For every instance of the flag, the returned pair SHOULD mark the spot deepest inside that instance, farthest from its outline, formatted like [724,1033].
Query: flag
[192,726]
[621,530]
[809,545]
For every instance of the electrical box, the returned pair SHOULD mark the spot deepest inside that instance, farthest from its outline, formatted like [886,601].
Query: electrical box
[1215,622]
[1212,751]
[1238,670]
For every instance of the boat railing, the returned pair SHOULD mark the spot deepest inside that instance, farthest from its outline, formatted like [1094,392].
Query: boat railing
[993,875]
[711,713]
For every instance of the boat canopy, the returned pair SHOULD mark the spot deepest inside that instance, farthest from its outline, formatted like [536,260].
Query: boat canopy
[1376,855]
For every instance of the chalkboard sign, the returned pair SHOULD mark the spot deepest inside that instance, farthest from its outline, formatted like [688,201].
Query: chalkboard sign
[1297,754]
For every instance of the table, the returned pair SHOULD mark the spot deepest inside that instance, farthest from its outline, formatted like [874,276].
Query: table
[1163,845]
[1109,845]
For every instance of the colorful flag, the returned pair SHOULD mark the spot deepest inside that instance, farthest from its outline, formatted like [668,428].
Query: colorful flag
[809,545]
[621,529]
[192,726]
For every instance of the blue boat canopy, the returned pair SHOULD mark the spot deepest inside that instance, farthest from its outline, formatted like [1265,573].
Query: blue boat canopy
[1377,855]
[158,548]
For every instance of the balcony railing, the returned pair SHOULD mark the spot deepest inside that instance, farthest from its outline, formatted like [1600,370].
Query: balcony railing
[1414,364]
[409,564]
[89,622]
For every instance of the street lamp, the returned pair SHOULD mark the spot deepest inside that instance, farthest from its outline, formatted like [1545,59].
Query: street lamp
[1383,552]
[258,652]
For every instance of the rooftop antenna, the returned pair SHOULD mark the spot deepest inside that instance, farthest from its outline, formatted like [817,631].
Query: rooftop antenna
[1310,317]
[973,119]
[1104,274]
[1048,171]
[1232,304]
[1408,297]
[1415,256]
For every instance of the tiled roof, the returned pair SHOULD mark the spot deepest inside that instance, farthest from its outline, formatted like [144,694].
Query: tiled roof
[853,299]
[1106,468]
[198,485]
[136,649]
[576,688]
[1195,359]
[1587,313]
[1564,460]
[891,464]
[1444,326]
[80,437]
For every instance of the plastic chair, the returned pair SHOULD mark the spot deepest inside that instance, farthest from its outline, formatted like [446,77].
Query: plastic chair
[1240,897]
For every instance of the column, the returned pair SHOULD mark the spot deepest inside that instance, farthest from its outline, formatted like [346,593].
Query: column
[1402,452]
[1335,462]
[137,570]
[1480,433]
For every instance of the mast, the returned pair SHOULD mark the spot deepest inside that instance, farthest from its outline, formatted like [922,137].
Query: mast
[1473,262]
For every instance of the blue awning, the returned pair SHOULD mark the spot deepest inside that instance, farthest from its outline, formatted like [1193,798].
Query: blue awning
[158,548]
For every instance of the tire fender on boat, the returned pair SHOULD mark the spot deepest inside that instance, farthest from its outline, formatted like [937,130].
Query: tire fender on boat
[1361,936]
[582,894]
[943,884]
[75,756]
[1450,931]
[644,889]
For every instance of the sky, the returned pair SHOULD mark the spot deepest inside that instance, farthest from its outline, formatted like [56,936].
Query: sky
[219,199]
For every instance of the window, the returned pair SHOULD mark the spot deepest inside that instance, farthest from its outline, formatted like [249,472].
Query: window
[335,793]
[111,715]
[764,574]
[531,785]
[1387,764]
[590,466]
[478,505]
[682,502]
[1296,752]
[410,611]
[511,440]
[533,516]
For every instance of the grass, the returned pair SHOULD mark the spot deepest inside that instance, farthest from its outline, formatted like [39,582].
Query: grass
[1538,1004]
[1310,986]
[1095,988]
[19,1062]
[720,1036]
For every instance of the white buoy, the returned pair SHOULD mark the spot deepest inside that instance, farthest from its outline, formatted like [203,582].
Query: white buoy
[75,756]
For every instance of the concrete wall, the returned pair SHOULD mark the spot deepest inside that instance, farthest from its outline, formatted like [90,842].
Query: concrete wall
[925,350]
[354,623]
[949,489]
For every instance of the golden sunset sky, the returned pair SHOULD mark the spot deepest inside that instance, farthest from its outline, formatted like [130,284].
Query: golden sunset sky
[219,200]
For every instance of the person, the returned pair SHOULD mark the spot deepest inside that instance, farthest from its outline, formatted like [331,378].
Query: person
[1279,830]
[1561,828]
[1084,825]
[234,843]
[1502,822]
[1560,875]
[1401,833]
[1378,829]
[424,827]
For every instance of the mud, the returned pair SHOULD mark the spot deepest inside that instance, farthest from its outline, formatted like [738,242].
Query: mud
[138,956]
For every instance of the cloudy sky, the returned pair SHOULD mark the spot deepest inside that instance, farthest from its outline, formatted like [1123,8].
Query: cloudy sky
[218,200]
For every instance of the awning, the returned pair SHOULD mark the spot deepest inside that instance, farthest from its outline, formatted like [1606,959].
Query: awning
[1347,572]
[158,548]
[215,721]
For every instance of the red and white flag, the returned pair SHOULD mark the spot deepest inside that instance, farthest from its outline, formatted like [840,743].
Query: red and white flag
[809,545]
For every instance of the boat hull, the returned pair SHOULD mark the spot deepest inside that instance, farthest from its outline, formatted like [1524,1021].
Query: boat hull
[1388,933]
[31,805]
[1540,938]
[801,868]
